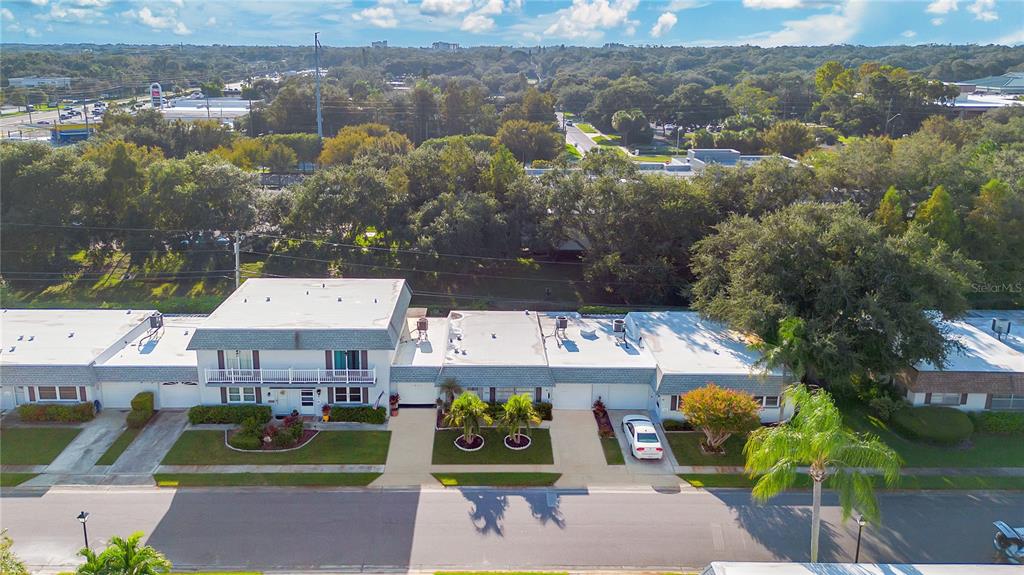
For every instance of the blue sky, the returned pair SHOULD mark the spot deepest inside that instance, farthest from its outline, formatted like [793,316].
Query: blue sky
[515,22]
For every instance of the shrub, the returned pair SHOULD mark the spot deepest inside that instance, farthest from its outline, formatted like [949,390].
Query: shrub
[676,425]
[494,410]
[360,414]
[242,440]
[599,310]
[143,401]
[933,423]
[719,413]
[999,422]
[137,419]
[228,413]
[886,407]
[543,409]
[61,412]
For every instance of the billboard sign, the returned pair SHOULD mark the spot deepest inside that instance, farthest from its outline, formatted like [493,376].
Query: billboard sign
[156,93]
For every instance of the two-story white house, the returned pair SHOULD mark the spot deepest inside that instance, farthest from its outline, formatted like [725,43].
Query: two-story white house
[298,344]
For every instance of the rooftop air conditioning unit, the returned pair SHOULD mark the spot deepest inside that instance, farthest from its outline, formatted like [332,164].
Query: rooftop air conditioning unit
[421,324]
[156,321]
[561,322]
[1001,327]
[619,326]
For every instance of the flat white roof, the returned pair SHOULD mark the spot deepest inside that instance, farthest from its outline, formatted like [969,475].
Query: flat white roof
[590,342]
[63,336]
[167,347]
[425,352]
[981,350]
[683,342]
[494,338]
[298,304]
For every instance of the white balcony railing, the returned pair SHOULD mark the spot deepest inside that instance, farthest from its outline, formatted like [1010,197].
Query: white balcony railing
[289,376]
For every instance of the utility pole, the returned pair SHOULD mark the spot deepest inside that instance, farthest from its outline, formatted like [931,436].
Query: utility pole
[316,61]
[207,107]
[85,112]
[238,259]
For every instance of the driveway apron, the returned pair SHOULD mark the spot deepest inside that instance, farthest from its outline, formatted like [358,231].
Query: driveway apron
[87,447]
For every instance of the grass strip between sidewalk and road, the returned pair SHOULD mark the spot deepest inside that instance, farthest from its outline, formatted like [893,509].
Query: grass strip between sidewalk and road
[612,451]
[586,128]
[117,448]
[34,445]
[712,480]
[264,479]
[206,447]
[497,479]
[12,479]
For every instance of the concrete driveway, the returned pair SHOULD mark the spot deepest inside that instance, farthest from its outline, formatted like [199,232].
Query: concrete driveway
[147,451]
[663,468]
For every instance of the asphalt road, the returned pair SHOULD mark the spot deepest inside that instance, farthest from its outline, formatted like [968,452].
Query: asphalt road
[574,135]
[496,529]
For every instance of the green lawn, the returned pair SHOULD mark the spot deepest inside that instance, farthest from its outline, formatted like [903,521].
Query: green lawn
[34,445]
[572,151]
[117,448]
[494,450]
[606,140]
[612,451]
[327,448]
[12,479]
[985,451]
[906,482]
[264,479]
[587,128]
[686,448]
[659,159]
[497,479]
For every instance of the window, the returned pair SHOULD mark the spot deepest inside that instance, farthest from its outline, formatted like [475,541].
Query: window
[348,360]
[56,393]
[47,393]
[238,359]
[945,399]
[348,395]
[68,393]
[1007,401]
[241,395]
[766,401]
[501,394]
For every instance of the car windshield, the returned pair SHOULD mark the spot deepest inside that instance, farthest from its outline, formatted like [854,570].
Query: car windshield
[647,437]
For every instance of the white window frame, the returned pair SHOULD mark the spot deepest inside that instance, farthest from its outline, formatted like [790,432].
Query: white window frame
[501,394]
[241,394]
[767,401]
[1013,402]
[238,359]
[348,393]
[56,394]
[944,399]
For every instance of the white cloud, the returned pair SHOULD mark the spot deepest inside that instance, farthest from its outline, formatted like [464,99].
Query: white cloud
[181,29]
[665,23]
[772,4]
[477,23]
[678,5]
[984,10]
[6,15]
[908,34]
[40,2]
[445,7]
[212,21]
[942,6]
[1012,39]
[492,7]
[165,20]
[839,26]
[379,16]
[938,21]
[589,18]
[32,32]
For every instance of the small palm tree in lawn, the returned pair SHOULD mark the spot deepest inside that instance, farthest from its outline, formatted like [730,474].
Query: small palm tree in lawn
[519,413]
[816,437]
[467,411]
[124,557]
[95,564]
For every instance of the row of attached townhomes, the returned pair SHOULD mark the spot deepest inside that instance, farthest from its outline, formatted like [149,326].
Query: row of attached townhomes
[298,344]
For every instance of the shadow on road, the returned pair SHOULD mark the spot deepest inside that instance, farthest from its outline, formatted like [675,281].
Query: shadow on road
[489,506]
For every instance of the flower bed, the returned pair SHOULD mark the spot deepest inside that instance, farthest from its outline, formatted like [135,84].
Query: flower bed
[476,445]
[523,443]
[252,436]
[604,423]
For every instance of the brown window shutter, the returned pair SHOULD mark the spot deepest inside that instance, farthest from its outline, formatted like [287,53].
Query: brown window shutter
[491,395]
[364,359]
[32,394]
[963,399]
[537,394]
[927,399]
[328,359]
[220,359]
[81,394]
[674,404]
[330,394]
[988,401]
[366,395]
[258,390]
[255,359]
[223,395]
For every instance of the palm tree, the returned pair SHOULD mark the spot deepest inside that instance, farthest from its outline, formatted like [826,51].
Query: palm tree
[94,564]
[816,437]
[519,413]
[467,411]
[128,557]
[450,388]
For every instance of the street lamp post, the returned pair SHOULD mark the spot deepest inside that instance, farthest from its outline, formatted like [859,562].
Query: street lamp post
[83,517]
[860,529]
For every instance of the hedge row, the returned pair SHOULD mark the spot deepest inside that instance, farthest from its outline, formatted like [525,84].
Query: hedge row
[935,424]
[142,410]
[62,412]
[228,413]
[361,414]
[999,422]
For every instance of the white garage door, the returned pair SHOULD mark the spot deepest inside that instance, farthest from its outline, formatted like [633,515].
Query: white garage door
[178,395]
[571,396]
[119,394]
[622,396]
[416,393]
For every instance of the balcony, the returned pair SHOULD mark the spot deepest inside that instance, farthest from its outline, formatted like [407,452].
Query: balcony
[340,377]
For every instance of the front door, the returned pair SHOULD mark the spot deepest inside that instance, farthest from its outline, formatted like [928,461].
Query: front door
[307,399]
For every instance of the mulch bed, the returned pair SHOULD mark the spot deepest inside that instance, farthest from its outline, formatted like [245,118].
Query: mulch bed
[604,423]
[524,441]
[307,436]
[478,441]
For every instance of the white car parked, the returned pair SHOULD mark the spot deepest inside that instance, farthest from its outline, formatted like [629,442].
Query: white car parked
[642,437]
